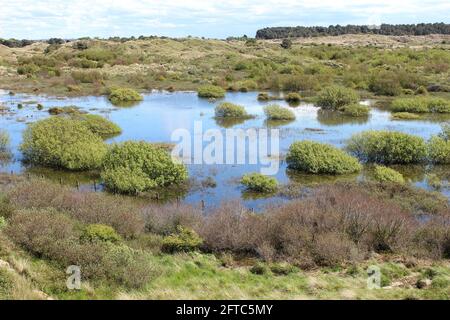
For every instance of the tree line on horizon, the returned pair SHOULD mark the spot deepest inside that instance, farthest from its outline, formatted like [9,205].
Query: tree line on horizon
[384,29]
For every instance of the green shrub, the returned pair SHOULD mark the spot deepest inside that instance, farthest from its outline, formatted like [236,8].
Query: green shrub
[259,183]
[405,116]
[385,83]
[387,147]
[275,112]
[263,96]
[4,140]
[100,232]
[184,240]
[230,110]
[445,134]
[282,269]
[67,110]
[132,167]
[62,143]
[260,268]
[355,110]
[286,43]
[99,125]
[314,157]
[210,91]
[421,105]
[385,174]
[421,90]
[3,222]
[93,76]
[335,97]
[123,95]
[293,97]
[439,150]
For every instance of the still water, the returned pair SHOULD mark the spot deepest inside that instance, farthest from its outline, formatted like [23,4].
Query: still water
[160,113]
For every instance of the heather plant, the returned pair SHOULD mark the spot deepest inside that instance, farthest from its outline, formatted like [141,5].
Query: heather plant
[210,91]
[314,157]
[62,143]
[336,97]
[387,147]
[100,232]
[257,182]
[184,240]
[275,112]
[133,167]
[293,97]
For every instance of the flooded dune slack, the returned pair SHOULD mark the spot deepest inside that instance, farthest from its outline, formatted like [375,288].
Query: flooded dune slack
[161,113]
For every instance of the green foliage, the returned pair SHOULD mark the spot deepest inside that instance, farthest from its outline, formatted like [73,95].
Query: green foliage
[99,125]
[387,147]
[314,157]
[335,97]
[257,182]
[91,76]
[263,96]
[133,167]
[439,150]
[184,240]
[405,116]
[286,44]
[385,174]
[293,97]
[355,110]
[67,110]
[385,83]
[260,268]
[210,91]
[62,143]
[425,104]
[230,110]
[4,140]
[123,95]
[100,232]
[282,269]
[275,112]
[3,222]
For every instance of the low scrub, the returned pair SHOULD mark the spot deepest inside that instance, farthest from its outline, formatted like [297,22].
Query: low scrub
[184,240]
[355,110]
[99,125]
[385,174]
[405,116]
[62,143]
[133,167]
[124,95]
[421,105]
[88,76]
[257,182]
[100,232]
[439,150]
[387,147]
[230,110]
[210,91]
[293,97]
[4,141]
[336,97]
[275,112]
[314,157]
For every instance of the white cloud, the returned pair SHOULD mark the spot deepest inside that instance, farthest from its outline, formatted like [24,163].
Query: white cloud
[75,18]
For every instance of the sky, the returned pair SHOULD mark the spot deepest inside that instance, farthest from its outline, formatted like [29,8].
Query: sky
[42,19]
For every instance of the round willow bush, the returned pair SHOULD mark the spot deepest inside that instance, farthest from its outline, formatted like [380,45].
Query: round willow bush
[439,150]
[385,174]
[387,147]
[99,125]
[210,91]
[100,233]
[314,157]
[258,182]
[355,110]
[62,143]
[123,95]
[133,167]
[293,97]
[230,110]
[275,112]
[335,97]
[4,140]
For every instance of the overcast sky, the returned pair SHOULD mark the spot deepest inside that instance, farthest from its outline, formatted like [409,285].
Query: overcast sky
[38,19]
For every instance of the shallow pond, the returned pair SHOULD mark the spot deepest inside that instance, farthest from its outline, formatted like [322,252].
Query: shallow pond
[160,113]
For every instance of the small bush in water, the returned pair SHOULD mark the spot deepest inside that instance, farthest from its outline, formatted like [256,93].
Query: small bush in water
[387,147]
[100,232]
[259,183]
[99,125]
[210,91]
[293,97]
[355,110]
[385,174]
[424,104]
[335,97]
[314,157]
[121,95]
[230,110]
[133,167]
[184,240]
[275,112]
[439,150]
[405,116]
[62,143]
